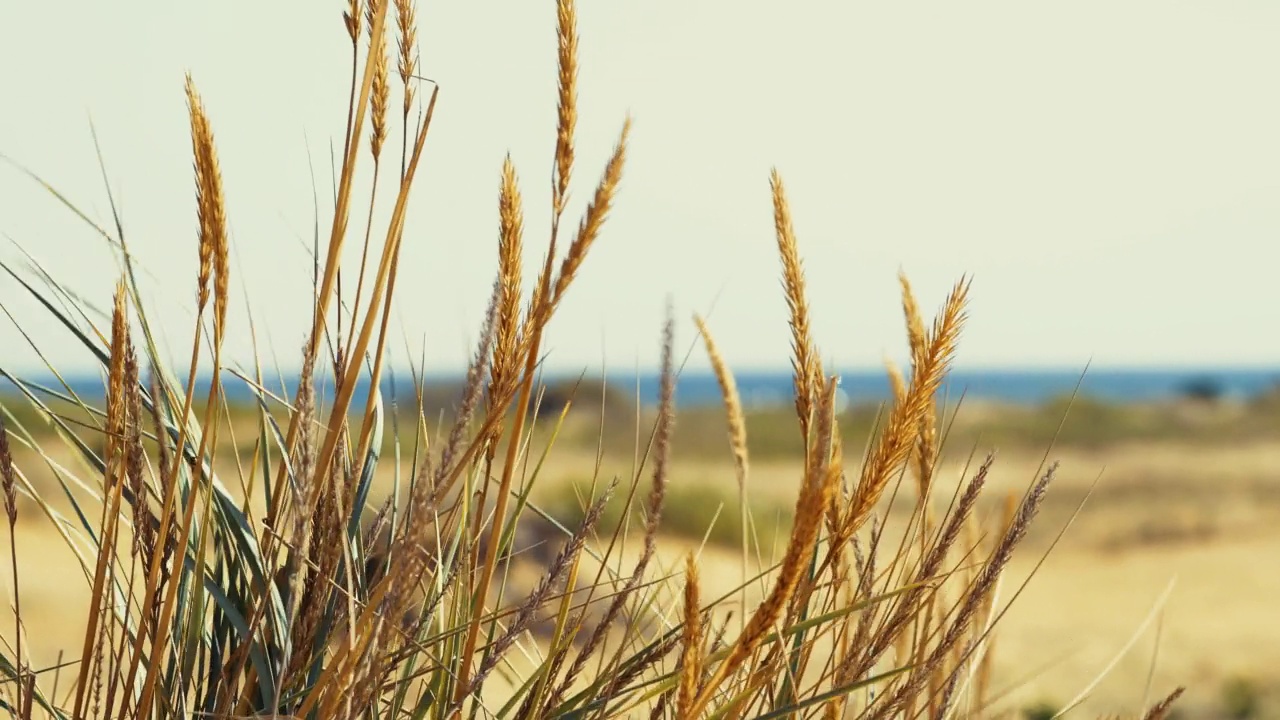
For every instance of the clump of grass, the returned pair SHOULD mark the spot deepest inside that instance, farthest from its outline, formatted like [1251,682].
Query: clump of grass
[299,595]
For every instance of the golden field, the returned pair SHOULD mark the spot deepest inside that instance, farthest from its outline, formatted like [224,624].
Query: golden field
[1156,507]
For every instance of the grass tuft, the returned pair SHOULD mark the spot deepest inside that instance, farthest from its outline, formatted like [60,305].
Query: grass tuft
[329,551]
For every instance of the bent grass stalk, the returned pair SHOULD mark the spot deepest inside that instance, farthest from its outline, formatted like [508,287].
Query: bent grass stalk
[738,444]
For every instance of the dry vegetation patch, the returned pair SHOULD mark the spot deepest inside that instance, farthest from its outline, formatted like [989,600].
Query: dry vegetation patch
[247,568]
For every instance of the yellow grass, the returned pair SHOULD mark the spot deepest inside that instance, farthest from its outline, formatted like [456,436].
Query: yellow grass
[1072,618]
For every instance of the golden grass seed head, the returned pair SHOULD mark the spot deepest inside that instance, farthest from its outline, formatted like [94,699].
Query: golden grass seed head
[806,366]
[211,209]
[8,476]
[381,92]
[1162,709]
[117,410]
[732,402]
[808,520]
[510,249]
[351,20]
[897,442]
[221,284]
[926,447]
[593,220]
[567,108]
[199,133]
[133,451]
[662,440]
[305,481]
[408,46]
[691,656]
[915,324]
[142,518]
[897,383]
[371,8]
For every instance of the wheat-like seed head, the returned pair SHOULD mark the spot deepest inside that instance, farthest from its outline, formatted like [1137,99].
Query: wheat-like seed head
[307,485]
[1161,710]
[926,452]
[510,248]
[897,383]
[351,20]
[915,324]
[926,441]
[662,439]
[567,110]
[835,504]
[732,402]
[897,442]
[200,131]
[116,409]
[221,280]
[408,65]
[371,8]
[808,517]
[944,335]
[144,527]
[8,478]
[381,92]
[133,454]
[819,455]
[97,633]
[597,212]
[211,210]
[691,656]
[805,363]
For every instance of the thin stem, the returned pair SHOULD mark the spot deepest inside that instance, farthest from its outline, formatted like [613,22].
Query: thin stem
[17,602]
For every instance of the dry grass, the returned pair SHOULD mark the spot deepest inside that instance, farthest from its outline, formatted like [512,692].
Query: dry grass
[691,640]
[275,603]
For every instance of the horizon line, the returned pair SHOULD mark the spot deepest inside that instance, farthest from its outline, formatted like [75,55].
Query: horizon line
[1084,370]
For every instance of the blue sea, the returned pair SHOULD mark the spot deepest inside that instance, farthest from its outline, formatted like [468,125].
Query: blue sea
[772,388]
[1028,387]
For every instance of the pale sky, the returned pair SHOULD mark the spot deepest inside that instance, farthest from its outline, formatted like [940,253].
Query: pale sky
[1108,170]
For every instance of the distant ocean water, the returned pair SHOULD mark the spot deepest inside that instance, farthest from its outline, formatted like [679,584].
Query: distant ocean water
[772,388]
[1012,386]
